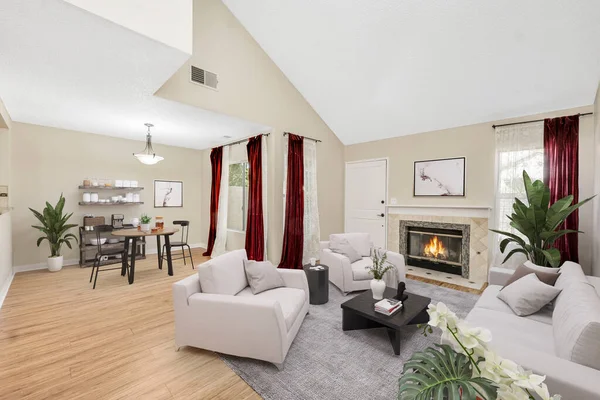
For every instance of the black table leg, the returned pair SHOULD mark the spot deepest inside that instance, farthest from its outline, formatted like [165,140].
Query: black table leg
[133,256]
[168,249]
[124,257]
[394,336]
[160,260]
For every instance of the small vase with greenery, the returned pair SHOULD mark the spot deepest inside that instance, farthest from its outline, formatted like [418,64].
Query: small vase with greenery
[538,224]
[378,270]
[145,222]
[54,227]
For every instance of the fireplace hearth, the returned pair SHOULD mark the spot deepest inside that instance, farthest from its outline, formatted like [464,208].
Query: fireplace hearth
[437,246]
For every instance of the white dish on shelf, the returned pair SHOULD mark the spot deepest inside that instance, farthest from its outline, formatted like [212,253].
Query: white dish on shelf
[94,241]
[113,240]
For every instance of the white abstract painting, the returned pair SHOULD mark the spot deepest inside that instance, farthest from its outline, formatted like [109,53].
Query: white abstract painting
[168,194]
[444,177]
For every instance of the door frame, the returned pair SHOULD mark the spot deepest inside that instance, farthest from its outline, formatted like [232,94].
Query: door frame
[387,182]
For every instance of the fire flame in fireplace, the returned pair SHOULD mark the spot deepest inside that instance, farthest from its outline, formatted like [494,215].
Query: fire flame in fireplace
[435,249]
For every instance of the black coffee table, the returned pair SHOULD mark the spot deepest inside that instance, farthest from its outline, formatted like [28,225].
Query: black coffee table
[359,313]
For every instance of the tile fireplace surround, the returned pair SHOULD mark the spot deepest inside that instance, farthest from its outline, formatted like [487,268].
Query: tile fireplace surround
[476,218]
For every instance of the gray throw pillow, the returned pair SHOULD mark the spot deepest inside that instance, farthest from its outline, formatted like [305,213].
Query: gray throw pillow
[527,295]
[344,247]
[549,278]
[262,275]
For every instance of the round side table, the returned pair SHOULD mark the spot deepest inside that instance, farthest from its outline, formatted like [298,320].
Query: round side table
[318,283]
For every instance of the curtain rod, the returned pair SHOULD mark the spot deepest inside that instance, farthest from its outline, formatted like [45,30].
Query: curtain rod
[246,139]
[535,120]
[305,137]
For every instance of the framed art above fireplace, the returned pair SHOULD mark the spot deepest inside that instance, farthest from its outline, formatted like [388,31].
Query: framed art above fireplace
[442,177]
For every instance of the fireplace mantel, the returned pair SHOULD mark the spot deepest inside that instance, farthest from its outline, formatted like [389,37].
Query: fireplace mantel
[441,210]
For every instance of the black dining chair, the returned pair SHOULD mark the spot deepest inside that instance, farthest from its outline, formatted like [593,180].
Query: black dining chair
[185,230]
[110,250]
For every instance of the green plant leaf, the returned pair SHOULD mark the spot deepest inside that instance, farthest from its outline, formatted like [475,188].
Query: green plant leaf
[435,374]
[552,256]
[513,252]
[54,226]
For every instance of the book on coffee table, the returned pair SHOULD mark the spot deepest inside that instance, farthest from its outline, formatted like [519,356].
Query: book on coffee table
[388,306]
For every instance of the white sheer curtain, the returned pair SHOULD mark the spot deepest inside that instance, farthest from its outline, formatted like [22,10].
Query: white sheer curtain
[312,233]
[221,235]
[518,147]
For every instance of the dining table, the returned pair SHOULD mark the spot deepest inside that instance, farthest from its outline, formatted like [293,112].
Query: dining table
[132,235]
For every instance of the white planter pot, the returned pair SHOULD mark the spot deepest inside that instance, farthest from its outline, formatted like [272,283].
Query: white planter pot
[55,263]
[377,287]
[145,227]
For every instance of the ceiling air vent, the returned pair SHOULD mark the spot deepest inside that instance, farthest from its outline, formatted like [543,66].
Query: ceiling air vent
[204,78]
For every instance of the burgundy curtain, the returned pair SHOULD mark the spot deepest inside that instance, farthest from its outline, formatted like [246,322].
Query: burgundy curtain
[561,174]
[293,234]
[216,158]
[255,230]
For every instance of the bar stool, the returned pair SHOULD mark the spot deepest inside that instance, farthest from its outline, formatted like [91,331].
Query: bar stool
[185,230]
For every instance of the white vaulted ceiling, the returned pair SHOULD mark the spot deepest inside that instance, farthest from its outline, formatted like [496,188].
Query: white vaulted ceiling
[64,67]
[375,69]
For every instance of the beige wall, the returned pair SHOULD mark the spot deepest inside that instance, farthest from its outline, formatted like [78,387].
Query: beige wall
[596,216]
[47,161]
[476,143]
[253,88]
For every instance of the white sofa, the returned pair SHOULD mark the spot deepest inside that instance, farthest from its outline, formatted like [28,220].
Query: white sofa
[239,323]
[549,342]
[349,277]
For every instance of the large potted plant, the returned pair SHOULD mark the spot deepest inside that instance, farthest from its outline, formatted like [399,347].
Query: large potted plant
[54,227]
[538,223]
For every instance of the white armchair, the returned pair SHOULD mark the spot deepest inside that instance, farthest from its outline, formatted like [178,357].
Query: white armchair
[260,326]
[349,277]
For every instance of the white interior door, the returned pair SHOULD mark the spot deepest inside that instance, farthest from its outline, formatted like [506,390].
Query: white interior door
[365,197]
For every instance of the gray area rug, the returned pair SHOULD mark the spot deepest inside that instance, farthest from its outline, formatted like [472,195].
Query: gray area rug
[325,362]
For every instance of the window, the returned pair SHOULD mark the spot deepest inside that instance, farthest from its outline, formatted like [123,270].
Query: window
[518,147]
[237,207]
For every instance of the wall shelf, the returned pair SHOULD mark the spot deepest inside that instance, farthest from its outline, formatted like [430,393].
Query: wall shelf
[82,203]
[132,189]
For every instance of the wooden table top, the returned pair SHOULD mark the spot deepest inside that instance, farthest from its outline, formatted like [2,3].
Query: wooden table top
[136,233]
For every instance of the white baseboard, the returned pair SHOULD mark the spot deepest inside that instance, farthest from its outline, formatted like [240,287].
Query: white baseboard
[43,265]
[5,287]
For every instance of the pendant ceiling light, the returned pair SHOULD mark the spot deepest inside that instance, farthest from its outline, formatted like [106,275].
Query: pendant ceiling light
[147,156]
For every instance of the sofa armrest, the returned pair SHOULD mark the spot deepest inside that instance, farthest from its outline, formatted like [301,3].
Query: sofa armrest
[499,276]
[324,244]
[184,288]
[392,279]
[340,269]
[295,279]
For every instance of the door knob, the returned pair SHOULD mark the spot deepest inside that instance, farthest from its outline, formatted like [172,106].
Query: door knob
[381,215]
[382,202]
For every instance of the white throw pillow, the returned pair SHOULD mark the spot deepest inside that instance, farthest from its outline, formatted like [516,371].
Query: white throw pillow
[527,295]
[344,247]
[361,242]
[224,274]
[262,275]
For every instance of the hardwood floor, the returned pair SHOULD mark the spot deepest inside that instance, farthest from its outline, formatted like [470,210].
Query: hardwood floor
[59,339]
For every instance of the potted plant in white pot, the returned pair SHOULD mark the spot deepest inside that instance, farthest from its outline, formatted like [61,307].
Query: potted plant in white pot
[55,227]
[378,269]
[145,223]
[538,224]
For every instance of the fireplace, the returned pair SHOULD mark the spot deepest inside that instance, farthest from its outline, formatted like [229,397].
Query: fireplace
[437,246]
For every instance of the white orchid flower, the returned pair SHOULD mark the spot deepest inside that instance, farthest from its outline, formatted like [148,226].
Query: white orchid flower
[542,391]
[506,392]
[472,337]
[440,316]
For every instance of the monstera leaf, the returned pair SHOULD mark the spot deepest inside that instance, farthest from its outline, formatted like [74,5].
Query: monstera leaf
[537,224]
[442,375]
